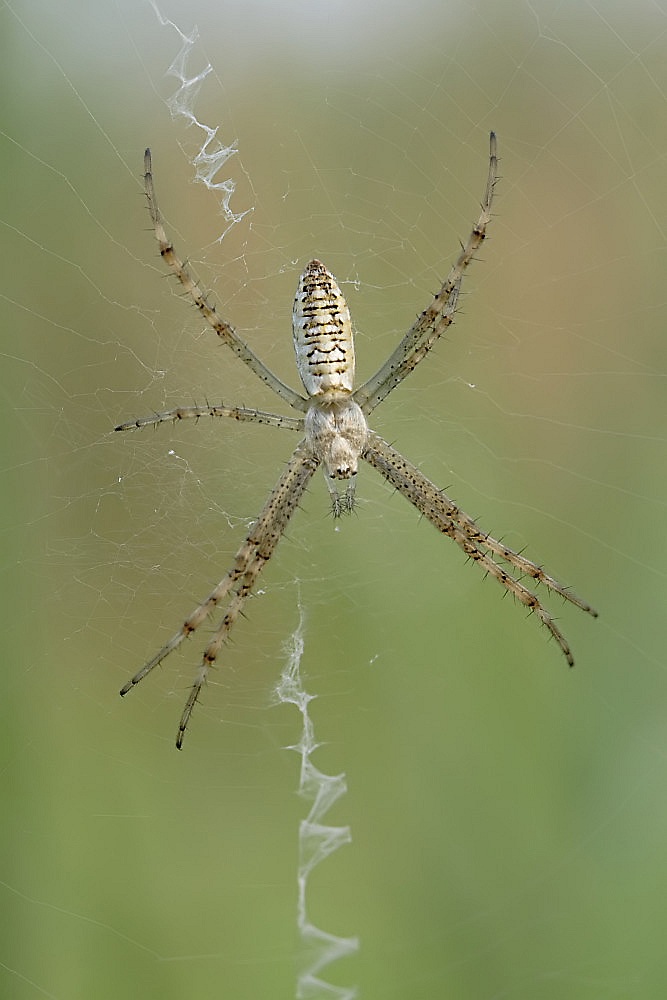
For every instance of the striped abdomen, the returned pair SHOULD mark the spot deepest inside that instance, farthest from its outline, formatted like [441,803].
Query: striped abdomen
[322,333]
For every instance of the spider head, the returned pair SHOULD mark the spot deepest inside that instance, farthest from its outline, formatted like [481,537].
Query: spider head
[336,431]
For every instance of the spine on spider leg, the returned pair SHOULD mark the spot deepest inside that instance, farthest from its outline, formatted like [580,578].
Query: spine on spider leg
[323,340]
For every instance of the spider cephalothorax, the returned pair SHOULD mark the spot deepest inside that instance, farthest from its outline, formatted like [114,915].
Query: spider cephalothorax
[336,435]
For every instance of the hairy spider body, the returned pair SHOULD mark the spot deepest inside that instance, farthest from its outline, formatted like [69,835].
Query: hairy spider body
[335,425]
[336,435]
[322,333]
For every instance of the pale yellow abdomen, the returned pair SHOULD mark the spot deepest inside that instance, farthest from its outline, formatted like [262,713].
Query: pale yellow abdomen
[322,333]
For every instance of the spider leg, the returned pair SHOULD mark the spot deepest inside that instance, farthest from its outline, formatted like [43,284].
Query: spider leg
[221,327]
[450,520]
[240,413]
[252,556]
[432,323]
[342,502]
[516,559]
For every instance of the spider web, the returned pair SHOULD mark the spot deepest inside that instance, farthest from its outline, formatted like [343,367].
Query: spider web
[508,827]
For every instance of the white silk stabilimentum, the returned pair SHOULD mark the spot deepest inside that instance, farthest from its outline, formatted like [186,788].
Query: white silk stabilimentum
[317,840]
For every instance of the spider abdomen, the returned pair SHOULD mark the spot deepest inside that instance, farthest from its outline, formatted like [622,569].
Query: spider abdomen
[322,330]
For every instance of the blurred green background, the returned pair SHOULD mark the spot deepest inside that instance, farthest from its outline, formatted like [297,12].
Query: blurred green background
[509,816]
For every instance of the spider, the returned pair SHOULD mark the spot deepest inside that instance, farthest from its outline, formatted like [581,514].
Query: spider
[335,436]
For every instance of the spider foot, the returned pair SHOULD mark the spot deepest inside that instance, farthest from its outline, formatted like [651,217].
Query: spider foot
[342,503]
